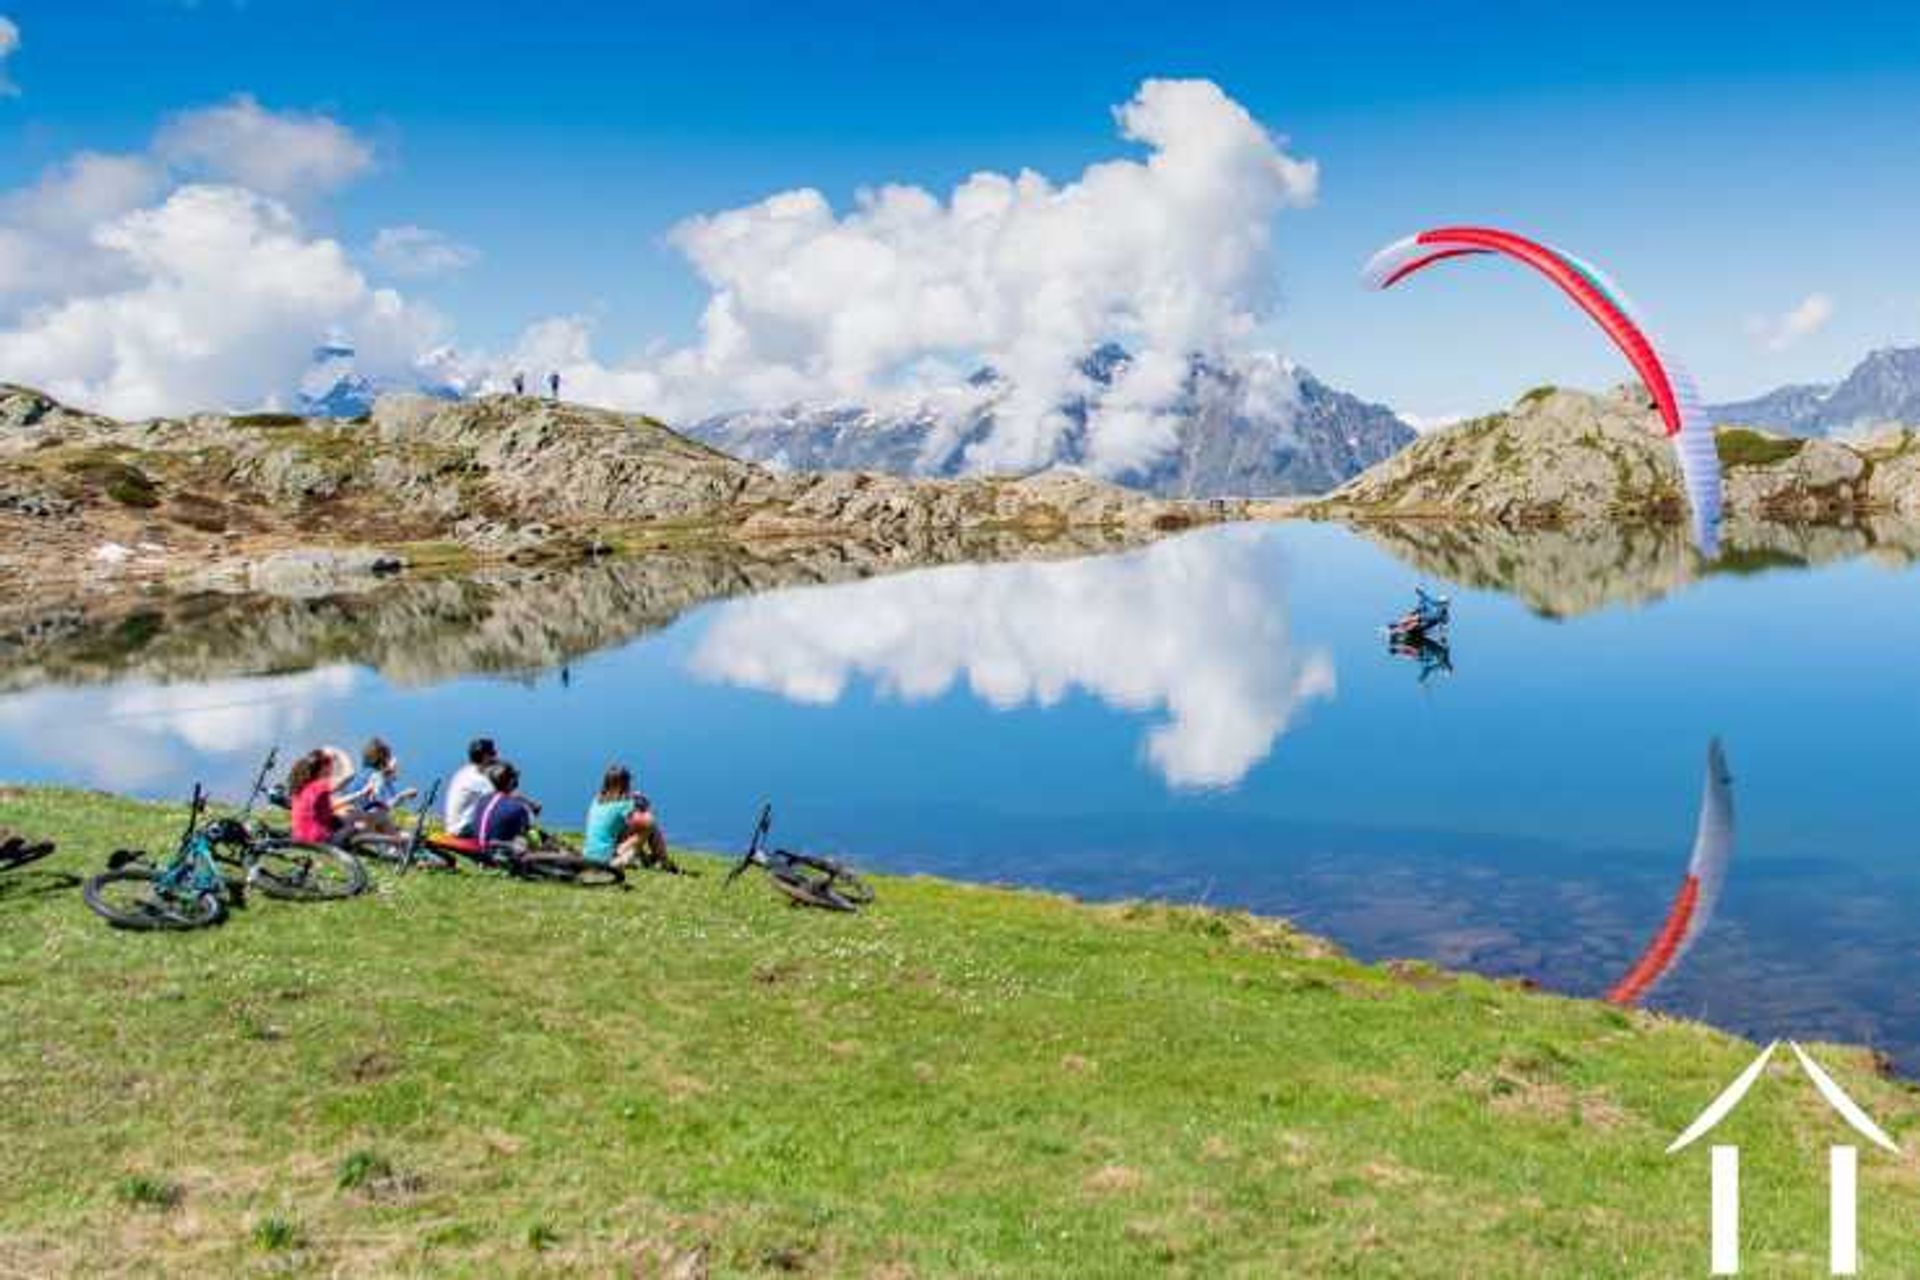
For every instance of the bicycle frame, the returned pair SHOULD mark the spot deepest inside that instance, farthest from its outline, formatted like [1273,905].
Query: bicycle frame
[192,870]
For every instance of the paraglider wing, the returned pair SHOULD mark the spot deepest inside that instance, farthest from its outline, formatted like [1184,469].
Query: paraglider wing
[1672,389]
[1699,893]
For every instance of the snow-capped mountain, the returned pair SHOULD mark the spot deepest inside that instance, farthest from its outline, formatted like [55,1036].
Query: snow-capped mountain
[333,386]
[1882,390]
[1248,427]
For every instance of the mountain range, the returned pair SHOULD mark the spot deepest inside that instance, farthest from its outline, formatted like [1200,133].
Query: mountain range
[1253,427]
[1882,390]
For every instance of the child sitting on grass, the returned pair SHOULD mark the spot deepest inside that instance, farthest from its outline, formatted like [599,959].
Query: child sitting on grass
[620,827]
[310,798]
[374,791]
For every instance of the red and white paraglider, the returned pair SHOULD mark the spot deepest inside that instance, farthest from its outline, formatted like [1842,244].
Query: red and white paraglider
[1699,893]
[1672,390]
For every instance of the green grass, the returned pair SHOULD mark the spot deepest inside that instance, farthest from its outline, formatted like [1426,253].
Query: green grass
[1740,447]
[463,1075]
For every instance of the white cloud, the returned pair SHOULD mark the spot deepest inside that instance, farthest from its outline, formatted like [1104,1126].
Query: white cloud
[1803,320]
[46,229]
[286,154]
[1425,422]
[420,251]
[9,43]
[1168,254]
[223,298]
[124,292]
[1207,646]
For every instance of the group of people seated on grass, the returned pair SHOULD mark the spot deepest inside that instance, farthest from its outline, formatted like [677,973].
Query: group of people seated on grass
[330,798]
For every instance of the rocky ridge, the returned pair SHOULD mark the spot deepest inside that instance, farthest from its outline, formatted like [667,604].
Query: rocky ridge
[220,501]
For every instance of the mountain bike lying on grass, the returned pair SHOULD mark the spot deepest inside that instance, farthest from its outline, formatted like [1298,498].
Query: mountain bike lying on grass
[808,880]
[187,891]
[17,851]
[543,857]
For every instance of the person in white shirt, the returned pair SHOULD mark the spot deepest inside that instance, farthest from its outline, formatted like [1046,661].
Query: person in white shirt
[470,787]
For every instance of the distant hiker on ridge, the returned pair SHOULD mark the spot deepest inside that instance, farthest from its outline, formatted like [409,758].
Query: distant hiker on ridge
[553,384]
[519,384]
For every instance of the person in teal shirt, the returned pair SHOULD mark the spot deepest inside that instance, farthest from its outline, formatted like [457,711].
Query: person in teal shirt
[621,828]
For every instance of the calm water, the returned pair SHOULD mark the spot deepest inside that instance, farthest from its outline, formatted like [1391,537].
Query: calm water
[1213,718]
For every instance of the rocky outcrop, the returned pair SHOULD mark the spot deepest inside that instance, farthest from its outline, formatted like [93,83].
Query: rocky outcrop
[1563,458]
[496,478]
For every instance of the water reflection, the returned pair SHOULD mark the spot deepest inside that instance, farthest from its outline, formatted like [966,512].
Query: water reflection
[132,735]
[1432,656]
[1699,895]
[1566,572]
[1195,629]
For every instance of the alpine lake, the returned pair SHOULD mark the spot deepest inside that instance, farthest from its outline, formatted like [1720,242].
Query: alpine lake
[1217,717]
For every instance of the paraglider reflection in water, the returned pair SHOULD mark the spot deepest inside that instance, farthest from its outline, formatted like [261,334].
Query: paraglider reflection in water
[1699,892]
[1669,384]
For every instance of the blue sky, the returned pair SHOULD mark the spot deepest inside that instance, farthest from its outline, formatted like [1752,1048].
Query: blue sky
[1725,164]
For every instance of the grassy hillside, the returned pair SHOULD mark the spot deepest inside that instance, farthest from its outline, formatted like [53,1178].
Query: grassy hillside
[460,1074]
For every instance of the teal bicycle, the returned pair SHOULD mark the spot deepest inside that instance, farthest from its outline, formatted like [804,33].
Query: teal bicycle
[187,891]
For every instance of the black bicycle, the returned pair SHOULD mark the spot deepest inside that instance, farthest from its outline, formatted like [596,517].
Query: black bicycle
[279,867]
[806,879]
[542,857]
[404,850]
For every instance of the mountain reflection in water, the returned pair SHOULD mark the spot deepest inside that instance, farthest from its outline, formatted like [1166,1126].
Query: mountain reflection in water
[1161,722]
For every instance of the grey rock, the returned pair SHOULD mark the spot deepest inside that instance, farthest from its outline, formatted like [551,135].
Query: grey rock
[310,573]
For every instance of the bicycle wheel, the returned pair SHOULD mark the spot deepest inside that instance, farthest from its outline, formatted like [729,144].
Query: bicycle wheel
[809,886]
[129,899]
[306,872]
[833,878]
[566,869]
[379,846]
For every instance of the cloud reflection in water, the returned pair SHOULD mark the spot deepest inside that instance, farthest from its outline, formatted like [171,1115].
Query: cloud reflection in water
[1195,628]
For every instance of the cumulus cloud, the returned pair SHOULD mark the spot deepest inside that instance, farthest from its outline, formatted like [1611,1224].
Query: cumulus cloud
[223,296]
[286,154]
[1803,320]
[1208,649]
[46,229]
[419,251]
[128,289]
[9,42]
[1169,253]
